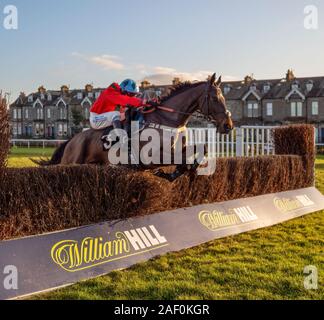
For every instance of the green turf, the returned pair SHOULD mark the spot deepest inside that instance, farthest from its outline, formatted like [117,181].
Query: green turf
[20,157]
[263,264]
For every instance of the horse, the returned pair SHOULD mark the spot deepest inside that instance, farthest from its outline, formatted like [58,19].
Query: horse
[174,111]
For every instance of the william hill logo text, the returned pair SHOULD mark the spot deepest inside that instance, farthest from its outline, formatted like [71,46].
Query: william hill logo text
[290,205]
[215,220]
[74,256]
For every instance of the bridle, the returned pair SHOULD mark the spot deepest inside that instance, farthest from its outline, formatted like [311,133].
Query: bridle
[207,99]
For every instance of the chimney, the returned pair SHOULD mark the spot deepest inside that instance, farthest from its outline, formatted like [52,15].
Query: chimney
[176,81]
[41,89]
[290,75]
[248,79]
[65,89]
[89,88]
[145,84]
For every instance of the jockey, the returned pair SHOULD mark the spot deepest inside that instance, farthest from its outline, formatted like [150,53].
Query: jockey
[112,102]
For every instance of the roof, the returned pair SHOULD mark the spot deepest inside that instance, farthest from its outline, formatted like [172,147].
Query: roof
[72,97]
[279,88]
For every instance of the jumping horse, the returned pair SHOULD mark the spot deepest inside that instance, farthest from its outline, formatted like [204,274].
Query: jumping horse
[174,111]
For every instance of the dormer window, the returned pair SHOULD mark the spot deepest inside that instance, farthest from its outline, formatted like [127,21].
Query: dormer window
[42,96]
[97,94]
[295,86]
[227,89]
[309,85]
[90,94]
[253,87]
[30,98]
[49,97]
[266,88]
[80,95]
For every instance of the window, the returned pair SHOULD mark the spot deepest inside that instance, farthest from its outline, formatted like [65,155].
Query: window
[30,98]
[296,109]
[60,130]
[86,113]
[309,86]
[90,94]
[269,109]
[37,129]
[253,109]
[19,129]
[315,108]
[227,89]
[49,113]
[14,129]
[97,94]
[266,88]
[62,113]
[49,97]
[19,113]
[26,114]
[65,129]
[40,114]
[42,96]
[80,95]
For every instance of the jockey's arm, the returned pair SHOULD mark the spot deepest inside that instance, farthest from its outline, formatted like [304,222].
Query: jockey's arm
[124,101]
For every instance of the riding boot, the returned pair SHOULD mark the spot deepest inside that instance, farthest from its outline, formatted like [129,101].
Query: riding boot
[117,124]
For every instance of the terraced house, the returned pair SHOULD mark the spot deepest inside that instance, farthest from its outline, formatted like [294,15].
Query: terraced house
[58,114]
[48,114]
[277,102]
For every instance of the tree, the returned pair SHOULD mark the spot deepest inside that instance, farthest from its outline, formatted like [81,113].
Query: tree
[77,119]
[4,131]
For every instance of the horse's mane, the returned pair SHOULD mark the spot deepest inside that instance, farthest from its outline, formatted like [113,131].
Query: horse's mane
[180,88]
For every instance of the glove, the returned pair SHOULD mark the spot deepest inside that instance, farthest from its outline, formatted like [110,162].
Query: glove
[152,104]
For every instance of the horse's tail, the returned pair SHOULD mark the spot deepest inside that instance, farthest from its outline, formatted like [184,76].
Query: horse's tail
[56,158]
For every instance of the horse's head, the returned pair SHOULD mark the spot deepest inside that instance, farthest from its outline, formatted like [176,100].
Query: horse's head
[213,106]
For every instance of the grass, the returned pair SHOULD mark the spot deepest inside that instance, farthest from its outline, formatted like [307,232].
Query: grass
[263,264]
[20,157]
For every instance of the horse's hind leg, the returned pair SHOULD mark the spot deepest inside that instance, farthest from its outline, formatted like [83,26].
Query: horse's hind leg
[180,170]
[184,168]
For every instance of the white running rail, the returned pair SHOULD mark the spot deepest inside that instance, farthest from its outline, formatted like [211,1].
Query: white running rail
[241,142]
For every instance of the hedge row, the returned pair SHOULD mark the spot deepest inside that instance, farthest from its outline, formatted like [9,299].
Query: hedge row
[38,200]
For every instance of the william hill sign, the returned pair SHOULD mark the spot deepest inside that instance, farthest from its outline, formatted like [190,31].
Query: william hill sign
[58,259]
[74,256]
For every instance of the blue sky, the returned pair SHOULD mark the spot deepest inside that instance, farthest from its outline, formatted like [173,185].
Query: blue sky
[76,42]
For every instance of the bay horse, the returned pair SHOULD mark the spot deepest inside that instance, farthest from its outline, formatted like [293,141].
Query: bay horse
[174,112]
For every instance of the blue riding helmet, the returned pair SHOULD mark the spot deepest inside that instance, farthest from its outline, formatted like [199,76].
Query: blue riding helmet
[129,86]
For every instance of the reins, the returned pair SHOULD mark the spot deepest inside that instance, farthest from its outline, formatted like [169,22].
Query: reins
[171,110]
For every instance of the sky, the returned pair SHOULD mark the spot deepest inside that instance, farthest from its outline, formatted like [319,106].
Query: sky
[76,42]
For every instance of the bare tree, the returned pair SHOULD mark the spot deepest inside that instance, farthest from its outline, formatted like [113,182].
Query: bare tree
[4,131]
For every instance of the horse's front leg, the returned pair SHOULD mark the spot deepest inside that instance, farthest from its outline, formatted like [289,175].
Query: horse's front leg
[201,154]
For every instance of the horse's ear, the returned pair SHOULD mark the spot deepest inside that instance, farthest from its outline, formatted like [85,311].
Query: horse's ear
[219,81]
[213,79]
